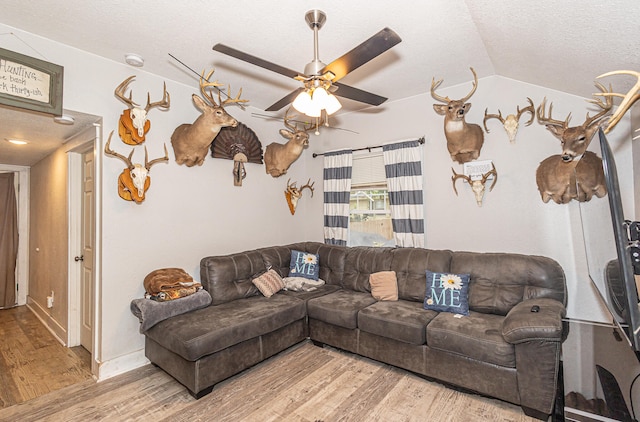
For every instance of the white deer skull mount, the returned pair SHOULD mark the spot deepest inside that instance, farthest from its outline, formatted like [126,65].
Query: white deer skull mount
[511,122]
[478,185]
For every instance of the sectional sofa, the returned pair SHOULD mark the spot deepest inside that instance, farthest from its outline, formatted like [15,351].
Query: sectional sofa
[507,347]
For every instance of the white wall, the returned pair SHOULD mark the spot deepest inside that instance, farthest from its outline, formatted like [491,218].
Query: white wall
[512,218]
[190,213]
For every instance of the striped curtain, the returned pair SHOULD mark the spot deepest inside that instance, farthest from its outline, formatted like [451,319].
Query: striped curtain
[403,168]
[337,190]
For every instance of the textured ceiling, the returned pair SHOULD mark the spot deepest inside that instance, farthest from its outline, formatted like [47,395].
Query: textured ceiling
[558,45]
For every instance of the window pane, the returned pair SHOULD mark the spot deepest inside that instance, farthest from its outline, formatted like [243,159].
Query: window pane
[370,218]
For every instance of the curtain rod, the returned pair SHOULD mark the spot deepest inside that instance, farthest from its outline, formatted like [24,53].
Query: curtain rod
[420,140]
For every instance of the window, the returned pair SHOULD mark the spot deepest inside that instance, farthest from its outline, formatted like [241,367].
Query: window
[369,210]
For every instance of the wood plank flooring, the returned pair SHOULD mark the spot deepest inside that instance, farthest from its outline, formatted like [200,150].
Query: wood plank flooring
[32,361]
[303,384]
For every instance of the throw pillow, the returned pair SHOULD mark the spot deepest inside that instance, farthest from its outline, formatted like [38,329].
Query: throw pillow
[384,285]
[269,283]
[447,292]
[301,284]
[304,264]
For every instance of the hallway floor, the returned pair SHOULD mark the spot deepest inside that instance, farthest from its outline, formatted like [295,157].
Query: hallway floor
[32,361]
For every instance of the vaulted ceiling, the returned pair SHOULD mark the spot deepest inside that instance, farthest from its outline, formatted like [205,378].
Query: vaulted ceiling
[558,45]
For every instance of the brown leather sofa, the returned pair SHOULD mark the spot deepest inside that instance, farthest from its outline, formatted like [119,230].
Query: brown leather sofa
[501,349]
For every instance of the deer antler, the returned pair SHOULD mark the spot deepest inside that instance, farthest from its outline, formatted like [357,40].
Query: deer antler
[475,86]
[530,108]
[493,172]
[164,103]
[148,164]
[204,83]
[628,99]
[434,86]
[119,92]
[230,100]
[549,120]
[491,116]
[307,185]
[457,176]
[127,160]
[605,106]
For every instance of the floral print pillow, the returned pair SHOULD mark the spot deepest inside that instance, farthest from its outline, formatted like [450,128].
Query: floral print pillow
[304,264]
[447,293]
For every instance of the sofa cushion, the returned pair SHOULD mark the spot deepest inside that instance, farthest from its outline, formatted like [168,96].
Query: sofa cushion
[199,333]
[384,285]
[229,277]
[499,281]
[410,265]
[304,264]
[446,292]
[401,320]
[477,336]
[269,283]
[363,261]
[339,308]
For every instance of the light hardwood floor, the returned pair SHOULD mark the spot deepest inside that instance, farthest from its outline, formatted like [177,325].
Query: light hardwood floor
[32,361]
[303,384]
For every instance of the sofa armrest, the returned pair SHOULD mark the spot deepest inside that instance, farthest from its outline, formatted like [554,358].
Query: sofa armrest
[523,324]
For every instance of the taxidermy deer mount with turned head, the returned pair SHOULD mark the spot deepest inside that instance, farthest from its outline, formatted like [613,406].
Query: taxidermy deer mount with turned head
[576,173]
[511,122]
[464,140]
[478,185]
[279,157]
[134,181]
[134,124]
[191,141]
[294,193]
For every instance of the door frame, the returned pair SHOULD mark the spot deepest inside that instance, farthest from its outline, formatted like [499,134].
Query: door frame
[22,265]
[75,229]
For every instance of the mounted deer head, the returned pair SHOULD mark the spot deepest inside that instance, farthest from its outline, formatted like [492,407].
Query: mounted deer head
[191,141]
[134,181]
[628,99]
[510,123]
[134,124]
[464,140]
[478,185]
[293,194]
[278,157]
[576,173]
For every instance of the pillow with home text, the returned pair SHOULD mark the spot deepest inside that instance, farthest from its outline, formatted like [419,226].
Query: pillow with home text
[447,292]
[304,264]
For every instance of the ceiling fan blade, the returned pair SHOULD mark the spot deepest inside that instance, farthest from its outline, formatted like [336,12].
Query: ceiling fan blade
[368,50]
[288,99]
[255,60]
[356,94]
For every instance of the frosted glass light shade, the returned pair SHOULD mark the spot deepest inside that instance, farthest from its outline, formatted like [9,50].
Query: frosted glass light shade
[302,102]
[332,104]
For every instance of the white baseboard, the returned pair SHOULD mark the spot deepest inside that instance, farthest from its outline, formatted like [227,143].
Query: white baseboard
[58,331]
[122,364]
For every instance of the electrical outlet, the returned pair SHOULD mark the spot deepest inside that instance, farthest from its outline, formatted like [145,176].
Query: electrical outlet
[50,300]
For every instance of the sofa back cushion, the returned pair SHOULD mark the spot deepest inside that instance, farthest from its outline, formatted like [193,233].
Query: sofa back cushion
[499,281]
[332,261]
[411,264]
[361,262]
[228,277]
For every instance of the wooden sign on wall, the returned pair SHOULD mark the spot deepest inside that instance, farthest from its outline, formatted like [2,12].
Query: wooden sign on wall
[30,83]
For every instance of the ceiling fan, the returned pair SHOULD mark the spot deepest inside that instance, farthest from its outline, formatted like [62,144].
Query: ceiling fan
[317,74]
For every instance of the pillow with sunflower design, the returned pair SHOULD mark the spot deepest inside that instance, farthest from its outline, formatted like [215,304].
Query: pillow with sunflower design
[447,292]
[304,264]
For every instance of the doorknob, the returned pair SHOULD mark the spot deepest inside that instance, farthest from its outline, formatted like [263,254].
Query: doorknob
[79,258]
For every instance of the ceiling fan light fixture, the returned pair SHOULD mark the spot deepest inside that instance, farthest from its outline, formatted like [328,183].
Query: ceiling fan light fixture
[302,103]
[332,104]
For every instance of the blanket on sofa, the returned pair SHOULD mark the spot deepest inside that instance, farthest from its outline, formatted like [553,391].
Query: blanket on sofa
[150,312]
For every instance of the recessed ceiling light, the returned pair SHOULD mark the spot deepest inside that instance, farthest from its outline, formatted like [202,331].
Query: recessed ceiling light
[134,59]
[65,119]
[17,141]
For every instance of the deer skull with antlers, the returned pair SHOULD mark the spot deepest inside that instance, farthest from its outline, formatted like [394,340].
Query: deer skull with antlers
[279,157]
[134,181]
[576,173]
[477,185]
[464,140]
[191,141]
[293,194]
[134,124]
[511,122]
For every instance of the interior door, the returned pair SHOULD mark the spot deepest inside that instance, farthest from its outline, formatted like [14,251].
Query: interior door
[87,238]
